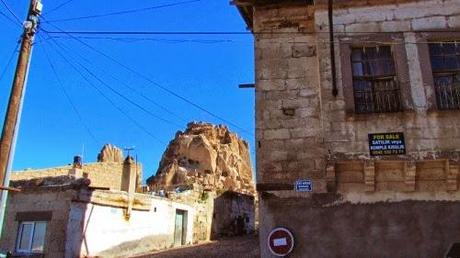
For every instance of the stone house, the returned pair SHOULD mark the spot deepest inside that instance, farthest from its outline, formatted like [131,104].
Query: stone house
[359,99]
[64,215]
[100,210]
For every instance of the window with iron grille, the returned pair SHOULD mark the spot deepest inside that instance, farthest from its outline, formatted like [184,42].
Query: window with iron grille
[375,84]
[445,63]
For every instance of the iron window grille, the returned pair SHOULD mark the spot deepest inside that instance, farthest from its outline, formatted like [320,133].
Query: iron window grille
[375,85]
[445,64]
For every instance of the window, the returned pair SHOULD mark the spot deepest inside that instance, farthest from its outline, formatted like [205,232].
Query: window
[31,237]
[375,84]
[445,64]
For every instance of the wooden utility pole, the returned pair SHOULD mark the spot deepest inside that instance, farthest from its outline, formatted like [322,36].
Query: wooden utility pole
[13,112]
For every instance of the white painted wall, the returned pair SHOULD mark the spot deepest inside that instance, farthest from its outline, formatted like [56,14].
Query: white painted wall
[105,227]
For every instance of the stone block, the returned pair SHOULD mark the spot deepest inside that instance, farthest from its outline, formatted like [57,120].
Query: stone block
[390,26]
[435,22]
[276,134]
[363,27]
[303,50]
[453,22]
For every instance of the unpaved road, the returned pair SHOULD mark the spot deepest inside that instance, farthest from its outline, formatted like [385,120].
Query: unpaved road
[240,247]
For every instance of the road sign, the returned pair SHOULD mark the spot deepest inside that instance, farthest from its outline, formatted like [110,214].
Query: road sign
[280,242]
[303,186]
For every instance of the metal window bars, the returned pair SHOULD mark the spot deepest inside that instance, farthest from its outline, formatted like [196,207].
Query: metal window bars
[445,63]
[375,87]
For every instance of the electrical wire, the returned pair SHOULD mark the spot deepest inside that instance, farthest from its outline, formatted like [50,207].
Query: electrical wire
[123,96]
[123,12]
[10,59]
[152,82]
[108,99]
[67,96]
[58,7]
[339,41]
[133,40]
[60,31]
[10,19]
[125,84]
[11,11]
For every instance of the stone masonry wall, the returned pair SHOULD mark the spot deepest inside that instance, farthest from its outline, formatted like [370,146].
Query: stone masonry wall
[101,174]
[294,102]
[58,202]
[428,132]
[395,207]
[287,97]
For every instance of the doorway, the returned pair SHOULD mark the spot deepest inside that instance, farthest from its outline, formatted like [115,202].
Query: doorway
[180,228]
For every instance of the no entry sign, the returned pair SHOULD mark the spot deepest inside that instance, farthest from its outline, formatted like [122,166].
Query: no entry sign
[280,241]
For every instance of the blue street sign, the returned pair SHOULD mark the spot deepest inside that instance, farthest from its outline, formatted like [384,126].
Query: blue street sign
[303,186]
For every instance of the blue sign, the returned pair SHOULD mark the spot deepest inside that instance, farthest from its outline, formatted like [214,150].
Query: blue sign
[303,186]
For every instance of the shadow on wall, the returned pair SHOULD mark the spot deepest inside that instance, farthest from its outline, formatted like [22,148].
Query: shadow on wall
[79,219]
[234,215]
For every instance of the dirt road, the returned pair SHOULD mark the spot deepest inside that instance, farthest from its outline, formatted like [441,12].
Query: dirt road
[240,247]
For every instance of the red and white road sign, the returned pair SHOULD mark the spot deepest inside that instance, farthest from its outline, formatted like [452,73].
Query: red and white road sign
[280,242]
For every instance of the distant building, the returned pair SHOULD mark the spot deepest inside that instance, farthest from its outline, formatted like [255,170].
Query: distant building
[366,113]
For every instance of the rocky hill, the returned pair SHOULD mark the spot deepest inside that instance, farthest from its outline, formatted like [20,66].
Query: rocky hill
[208,155]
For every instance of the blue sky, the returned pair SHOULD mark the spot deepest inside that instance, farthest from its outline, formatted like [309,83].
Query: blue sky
[203,68]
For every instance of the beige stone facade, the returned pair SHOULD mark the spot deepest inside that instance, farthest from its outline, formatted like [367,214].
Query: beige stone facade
[101,174]
[305,131]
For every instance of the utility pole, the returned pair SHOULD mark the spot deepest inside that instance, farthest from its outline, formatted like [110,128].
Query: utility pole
[13,112]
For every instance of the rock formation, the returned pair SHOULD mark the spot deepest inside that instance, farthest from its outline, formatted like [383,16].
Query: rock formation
[208,155]
[110,153]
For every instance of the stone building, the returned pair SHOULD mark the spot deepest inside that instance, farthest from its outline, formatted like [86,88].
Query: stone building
[100,209]
[94,209]
[66,217]
[359,99]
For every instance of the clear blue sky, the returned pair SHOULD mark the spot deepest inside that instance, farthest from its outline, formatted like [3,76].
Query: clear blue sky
[203,68]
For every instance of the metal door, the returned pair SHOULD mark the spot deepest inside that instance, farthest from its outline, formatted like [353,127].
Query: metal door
[179,229]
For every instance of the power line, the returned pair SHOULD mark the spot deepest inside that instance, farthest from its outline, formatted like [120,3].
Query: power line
[133,40]
[123,12]
[10,19]
[157,84]
[59,6]
[108,99]
[11,11]
[69,99]
[124,97]
[130,40]
[125,84]
[60,31]
[9,60]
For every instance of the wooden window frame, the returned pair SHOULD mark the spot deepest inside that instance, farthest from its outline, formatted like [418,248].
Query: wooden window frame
[423,40]
[396,42]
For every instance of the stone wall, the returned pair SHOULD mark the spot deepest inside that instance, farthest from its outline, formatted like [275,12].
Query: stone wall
[87,222]
[56,202]
[428,132]
[101,174]
[400,176]
[234,215]
[294,102]
[328,225]
[288,113]
[385,206]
